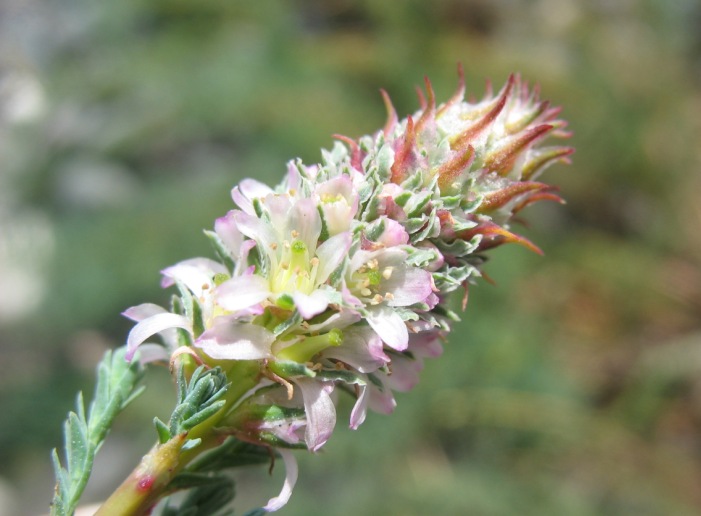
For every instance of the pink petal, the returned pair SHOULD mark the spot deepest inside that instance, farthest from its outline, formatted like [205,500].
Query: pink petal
[309,306]
[246,191]
[281,500]
[394,234]
[304,218]
[321,413]
[226,230]
[408,285]
[140,312]
[152,325]
[389,326]
[242,292]
[331,254]
[257,230]
[360,408]
[232,340]
[361,349]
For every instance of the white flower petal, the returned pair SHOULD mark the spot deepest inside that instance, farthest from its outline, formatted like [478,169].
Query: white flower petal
[281,500]
[311,305]
[360,408]
[152,325]
[321,413]
[140,312]
[389,326]
[226,230]
[408,285]
[246,191]
[305,219]
[242,292]
[361,349]
[232,340]
[331,254]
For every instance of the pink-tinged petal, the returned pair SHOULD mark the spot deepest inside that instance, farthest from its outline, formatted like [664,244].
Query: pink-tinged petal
[278,208]
[148,353]
[405,373]
[348,298]
[256,229]
[232,340]
[311,305]
[226,230]
[381,401]
[331,254]
[281,500]
[321,413]
[361,349]
[394,234]
[241,266]
[242,292]
[294,179]
[408,285]
[389,326]
[152,325]
[140,312]
[360,408]
[304,218]
[337,320]
[196,274]
[246,191]
[426,344]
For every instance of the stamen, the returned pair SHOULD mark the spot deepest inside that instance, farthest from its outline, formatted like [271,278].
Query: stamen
[389,296]
[387,272]
[365,292]
[294,233]
[273,245]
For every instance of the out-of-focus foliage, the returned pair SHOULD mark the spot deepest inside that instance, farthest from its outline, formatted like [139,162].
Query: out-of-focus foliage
[573,387]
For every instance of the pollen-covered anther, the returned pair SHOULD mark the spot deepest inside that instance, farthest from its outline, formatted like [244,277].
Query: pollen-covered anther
[294,233]
[387,272]
[389,296]
[365,292]
[373,264]
[314,261]
[292,192]
[205,286]
[377,299]
[273,246]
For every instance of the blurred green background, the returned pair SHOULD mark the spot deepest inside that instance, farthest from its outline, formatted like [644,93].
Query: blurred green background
[573,387]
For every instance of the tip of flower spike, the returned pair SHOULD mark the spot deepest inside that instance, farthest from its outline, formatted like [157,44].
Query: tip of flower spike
[429,109]
[356,159]
[459,94]
[463,139]
[502,161]
[495,235]
[401,158]
[495,200]
[392,119]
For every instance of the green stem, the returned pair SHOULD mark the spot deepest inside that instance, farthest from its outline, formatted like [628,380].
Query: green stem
[147,483]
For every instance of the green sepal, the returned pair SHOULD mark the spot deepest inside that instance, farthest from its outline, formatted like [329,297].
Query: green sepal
[162,431]
[202,415]
[288,369]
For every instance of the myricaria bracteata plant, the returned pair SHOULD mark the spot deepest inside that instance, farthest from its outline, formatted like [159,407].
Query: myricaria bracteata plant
[338,279]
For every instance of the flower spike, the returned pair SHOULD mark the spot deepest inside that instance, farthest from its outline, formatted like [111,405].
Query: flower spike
[339,279]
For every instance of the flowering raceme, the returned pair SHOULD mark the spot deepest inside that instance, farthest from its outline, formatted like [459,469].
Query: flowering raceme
[338,279]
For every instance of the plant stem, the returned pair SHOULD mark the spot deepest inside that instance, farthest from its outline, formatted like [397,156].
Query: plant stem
[147,483]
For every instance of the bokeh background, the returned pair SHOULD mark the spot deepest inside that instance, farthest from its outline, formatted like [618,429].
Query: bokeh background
[573,387]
